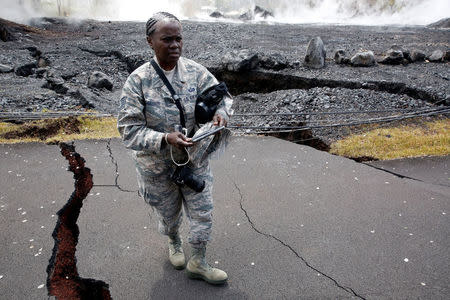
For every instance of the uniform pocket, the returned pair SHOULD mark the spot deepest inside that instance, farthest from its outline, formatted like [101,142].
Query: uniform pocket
[155,112]
[156,189]
[149,164]
[188,102]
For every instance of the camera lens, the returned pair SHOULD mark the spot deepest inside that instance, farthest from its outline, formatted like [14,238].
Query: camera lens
[191,180]
[184,176]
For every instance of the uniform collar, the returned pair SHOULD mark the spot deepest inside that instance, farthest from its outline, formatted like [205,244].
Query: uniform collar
[178,79]
[181,69]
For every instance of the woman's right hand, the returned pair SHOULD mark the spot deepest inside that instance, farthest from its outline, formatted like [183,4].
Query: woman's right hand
[179,140]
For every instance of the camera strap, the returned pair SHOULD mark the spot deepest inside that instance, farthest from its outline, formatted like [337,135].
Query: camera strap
[175,97]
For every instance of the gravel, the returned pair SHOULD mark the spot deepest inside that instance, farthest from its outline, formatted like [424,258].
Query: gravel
[75,50]
[320,100]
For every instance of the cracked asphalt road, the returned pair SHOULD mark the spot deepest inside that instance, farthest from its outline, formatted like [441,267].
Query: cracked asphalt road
[290,222]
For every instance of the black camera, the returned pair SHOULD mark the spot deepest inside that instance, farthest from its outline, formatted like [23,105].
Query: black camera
[207,102]
[184,176]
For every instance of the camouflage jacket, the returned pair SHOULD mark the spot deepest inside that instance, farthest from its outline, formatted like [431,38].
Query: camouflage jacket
[147,110]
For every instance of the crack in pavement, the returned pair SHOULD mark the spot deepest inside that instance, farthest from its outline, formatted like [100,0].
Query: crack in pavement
[63,280]
[116,180]
[346,289]
[404,176]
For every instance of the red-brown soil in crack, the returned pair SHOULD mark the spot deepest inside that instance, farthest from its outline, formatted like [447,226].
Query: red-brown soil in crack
[63,280]
[44,129]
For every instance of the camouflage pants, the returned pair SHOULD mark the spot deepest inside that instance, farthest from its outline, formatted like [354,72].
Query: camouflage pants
[168,199]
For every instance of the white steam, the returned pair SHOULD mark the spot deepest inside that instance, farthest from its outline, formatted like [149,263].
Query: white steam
[363,12]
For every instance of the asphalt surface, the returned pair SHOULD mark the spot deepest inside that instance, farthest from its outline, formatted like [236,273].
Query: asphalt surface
[290,222]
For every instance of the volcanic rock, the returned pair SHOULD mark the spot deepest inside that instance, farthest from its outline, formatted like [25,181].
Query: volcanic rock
[257,11]
[248,16]
[315,54]
[40,72]
[34,51]
[295,64]
[100,80]
[393,57]
[6,69]
[436,56]
[340,57]
[240,60]
[69,74]
[216,14]
[262,12]
[273,61]
[63,44]
[406,53]
[41,61]
[26,70]
[5,33]
[442,23]
[417,55]
[56,84]
[83,97]
[363,59]
[447,55]
[134,61]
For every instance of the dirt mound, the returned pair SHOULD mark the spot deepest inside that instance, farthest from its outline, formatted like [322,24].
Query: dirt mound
[442,23]
[45,129]
[9,29]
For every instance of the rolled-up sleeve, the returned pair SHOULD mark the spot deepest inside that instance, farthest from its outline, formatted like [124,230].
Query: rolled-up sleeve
[131,119]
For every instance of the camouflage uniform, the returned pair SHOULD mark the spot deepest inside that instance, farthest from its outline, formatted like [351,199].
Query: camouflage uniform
[146,113]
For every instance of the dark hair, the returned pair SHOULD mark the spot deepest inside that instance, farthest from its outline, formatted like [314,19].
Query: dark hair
[150,27]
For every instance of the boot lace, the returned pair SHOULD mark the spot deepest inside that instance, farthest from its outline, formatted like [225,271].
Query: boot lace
[176,243]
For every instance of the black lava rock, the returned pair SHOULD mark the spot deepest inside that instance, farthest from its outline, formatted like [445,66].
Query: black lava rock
[6,69]
[273,61]
[216,14]
[340,57]
[417,55]
[363,59]
[315,54]
[264,13]
[437,56]
[56,84]
[442,23]
[393,57]
[6,34]
[26,70]
[237,61]
[100,80]
[134,61]
[447,55]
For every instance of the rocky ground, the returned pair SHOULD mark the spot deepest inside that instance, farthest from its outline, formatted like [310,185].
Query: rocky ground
[46,66]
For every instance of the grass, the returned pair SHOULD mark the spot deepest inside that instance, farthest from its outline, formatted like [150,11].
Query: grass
[59,130]
[94,128]
[421,139]
[427,139]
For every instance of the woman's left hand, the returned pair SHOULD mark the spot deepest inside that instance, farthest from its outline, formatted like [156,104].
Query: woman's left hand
[219,120]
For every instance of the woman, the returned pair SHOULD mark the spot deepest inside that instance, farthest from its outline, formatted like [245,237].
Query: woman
[146,121]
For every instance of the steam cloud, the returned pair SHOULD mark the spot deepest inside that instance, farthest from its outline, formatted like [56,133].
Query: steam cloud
[364,12]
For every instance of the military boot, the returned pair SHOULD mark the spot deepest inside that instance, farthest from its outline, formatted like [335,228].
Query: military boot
[176,254]
[197,267]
